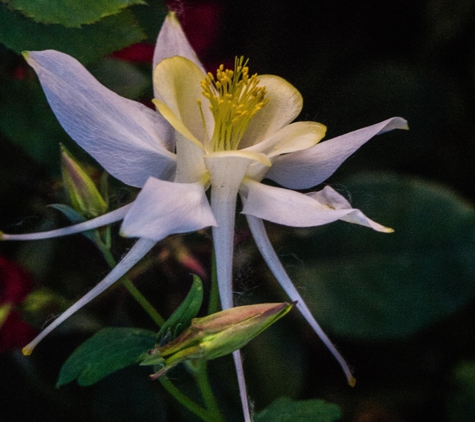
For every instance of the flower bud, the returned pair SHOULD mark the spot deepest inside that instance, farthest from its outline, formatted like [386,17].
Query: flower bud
[84,196]
[216,335]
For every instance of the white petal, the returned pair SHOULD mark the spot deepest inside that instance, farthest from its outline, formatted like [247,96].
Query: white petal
[190,166]
[226,174]
[242,385]
[307,168]
[163,208]
[283,206]
[109,218]
[177,83]
[268,253]
[137,252]
[172,41]
[285,104]
[332,199]
[127,138]
[293,137]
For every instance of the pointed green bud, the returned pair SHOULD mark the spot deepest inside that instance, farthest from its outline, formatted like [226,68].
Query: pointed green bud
[84,196]
[216,335]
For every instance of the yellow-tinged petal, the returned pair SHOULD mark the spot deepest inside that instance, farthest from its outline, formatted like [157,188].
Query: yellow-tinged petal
[294,137]
[177,83]
[251,155]
[175,121]
[285,104]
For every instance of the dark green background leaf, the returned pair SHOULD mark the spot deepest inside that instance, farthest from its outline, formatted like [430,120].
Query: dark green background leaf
[461,406]
[123,78]
[286,410]
[85,44]
[360,283]
[105,352]
[70,13]
[27,121]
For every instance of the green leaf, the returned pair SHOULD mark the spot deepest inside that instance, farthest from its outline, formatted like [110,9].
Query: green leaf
[85,44]
[180,320]
[27,121]
[123,78]
[105,352]
[364,284]
[151,17]
[286,410]
[70,13]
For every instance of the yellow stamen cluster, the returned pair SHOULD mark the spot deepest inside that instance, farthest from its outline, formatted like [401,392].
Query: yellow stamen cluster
[235,98]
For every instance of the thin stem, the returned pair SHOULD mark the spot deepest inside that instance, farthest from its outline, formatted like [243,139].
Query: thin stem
[202,380]
[139,297]
[186,401]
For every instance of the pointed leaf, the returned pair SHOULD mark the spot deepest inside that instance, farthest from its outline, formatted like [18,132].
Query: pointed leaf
[180,320]
[105,352]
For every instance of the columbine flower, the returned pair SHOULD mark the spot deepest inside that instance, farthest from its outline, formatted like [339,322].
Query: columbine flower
[226,132]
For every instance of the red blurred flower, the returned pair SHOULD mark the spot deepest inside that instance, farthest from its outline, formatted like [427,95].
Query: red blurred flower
[15,285]
[201,22]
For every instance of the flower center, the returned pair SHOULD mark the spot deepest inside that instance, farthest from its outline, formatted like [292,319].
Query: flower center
[235,98]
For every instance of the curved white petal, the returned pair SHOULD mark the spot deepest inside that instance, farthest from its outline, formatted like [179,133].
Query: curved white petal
[242,385]
[268,253]
[177,82]
[163,208]
[109,218]
[137,252]
[285,104]
[307,168]
[127,138]
[332,199]
[283,206]
[172,41]
[293,137]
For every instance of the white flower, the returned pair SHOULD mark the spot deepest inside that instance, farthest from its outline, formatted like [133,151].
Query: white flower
[225,132]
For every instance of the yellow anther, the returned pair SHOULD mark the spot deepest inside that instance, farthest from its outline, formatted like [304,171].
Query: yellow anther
[235,98]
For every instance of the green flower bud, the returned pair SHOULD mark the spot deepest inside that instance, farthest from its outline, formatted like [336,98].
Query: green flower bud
[84,196]
[216,335]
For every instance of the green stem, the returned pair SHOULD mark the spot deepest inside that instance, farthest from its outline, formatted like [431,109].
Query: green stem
[186,401]
[213,305]
[139,297]
[202,380]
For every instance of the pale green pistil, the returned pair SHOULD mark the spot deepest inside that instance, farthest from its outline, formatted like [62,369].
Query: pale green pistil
[235,98]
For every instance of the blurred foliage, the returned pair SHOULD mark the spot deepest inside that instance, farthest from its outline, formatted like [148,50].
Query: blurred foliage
[69,13]
[400,307]
[109,34]
[462,403]
[286,410]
